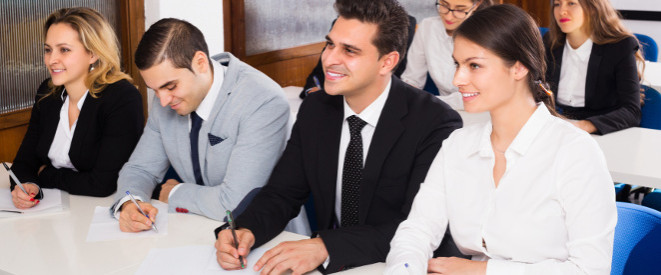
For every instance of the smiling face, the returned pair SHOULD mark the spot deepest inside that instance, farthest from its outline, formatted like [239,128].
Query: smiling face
[450,21]
[66,58]
[569,16]
[350,60]
[181,89]
[485,81]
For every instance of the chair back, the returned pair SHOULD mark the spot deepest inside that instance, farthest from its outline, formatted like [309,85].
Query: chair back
[543,30]
[649,48]
[637,246]
[651,110]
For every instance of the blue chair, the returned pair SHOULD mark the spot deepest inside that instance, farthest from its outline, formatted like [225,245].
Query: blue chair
[651,117]
[649,48]
[653,200]
[543,30]
[637,245]
[430,86]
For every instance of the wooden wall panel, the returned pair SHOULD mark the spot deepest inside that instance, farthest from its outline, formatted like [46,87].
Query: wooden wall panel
[288,67]
[12,129]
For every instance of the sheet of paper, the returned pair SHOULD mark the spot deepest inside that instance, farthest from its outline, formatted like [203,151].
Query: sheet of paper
[200,259]
[105,227]
[52,202]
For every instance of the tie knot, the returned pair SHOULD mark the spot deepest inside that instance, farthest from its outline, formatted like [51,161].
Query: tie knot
[355,124]
[195,119]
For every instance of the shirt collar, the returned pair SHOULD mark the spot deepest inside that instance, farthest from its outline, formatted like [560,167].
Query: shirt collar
[523,139]
[583,51]
[372,113]
[204,110]
[81,101]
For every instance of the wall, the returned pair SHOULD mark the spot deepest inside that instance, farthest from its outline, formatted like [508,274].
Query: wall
[650,28]
[207,15]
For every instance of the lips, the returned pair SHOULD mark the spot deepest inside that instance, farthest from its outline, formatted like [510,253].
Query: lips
[331,76]
[563,20]
[468,96]
[448,22]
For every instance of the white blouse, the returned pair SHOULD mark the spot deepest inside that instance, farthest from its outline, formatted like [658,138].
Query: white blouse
[553,211]
[574,71]
[431,51]
[59,149]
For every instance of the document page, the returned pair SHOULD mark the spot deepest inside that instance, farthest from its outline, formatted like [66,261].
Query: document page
[105,227]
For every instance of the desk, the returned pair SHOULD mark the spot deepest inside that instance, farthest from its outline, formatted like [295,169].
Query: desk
[633,156]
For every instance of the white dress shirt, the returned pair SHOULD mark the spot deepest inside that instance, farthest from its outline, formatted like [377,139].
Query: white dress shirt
[553,211]
[431,51]
[59,149]
[574,71]
[203,110]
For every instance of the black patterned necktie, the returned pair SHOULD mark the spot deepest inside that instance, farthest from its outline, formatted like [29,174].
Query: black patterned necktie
[196,124]
[352,173]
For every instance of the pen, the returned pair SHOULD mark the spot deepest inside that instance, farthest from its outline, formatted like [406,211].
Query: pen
[18,182]
[12,211]
[230,219]
[316,81]
[153,226]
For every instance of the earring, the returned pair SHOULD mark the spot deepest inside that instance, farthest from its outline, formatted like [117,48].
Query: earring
[91,67]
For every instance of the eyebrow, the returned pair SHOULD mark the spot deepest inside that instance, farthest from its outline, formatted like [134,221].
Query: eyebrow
[468,59]
[354,48]
[60,44]
[166,84]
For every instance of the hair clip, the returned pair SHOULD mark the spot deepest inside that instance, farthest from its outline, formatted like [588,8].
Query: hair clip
[546,90]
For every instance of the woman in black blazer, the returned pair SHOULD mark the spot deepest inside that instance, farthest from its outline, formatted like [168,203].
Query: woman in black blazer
[87,117]
[611,95]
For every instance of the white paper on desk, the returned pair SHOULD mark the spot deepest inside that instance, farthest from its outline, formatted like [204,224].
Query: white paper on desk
[52,202]
[200,259]
[105,227]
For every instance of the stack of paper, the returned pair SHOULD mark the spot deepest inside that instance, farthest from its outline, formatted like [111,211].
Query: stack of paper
[105,227]
[52,202]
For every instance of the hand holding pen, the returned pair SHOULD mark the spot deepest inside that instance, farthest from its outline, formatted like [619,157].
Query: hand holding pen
[24,196]
[233,245]
[137,216]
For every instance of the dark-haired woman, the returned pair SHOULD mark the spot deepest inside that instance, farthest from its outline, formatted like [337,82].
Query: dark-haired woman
[87,117]
[591,60]
[527,192]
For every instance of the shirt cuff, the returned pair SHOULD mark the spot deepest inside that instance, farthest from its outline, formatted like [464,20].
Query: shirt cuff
[174,189]
[495,267]
[121,202]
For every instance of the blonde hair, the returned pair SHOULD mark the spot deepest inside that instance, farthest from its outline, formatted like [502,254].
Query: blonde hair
[97,37]
[604,26]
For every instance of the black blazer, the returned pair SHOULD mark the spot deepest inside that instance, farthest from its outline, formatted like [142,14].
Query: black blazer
[612,86]
[411,128]
[107,130]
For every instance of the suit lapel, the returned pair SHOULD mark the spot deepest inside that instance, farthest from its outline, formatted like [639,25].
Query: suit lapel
[86,119]
[557,55]
[388,130]
[329,132]
[593,71]
[51,119]
[181,130]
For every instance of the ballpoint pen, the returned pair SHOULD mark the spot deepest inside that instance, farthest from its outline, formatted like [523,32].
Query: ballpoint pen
[18,182]
[153,226]
[316,81]
[230,220]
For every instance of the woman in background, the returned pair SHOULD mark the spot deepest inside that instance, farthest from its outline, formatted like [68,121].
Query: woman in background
[87,117]
[525,193]
[591,61]
[431,49]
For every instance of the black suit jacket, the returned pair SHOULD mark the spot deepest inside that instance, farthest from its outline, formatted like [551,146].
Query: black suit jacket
[107,130]
[411,128]
[612,86]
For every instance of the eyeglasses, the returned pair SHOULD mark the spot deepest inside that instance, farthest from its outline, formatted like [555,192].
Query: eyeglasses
[458,13]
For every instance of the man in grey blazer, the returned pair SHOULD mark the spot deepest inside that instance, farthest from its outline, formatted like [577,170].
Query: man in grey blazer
[240,113]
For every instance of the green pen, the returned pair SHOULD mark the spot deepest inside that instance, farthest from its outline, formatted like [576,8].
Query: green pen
[230,220]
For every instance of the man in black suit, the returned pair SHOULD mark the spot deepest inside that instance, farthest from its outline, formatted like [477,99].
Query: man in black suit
[358,207]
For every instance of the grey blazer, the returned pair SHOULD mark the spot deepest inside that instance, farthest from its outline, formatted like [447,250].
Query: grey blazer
[239,145]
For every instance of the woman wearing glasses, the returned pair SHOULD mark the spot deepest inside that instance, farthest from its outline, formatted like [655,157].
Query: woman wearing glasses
[525,193]
[591,61]
[87,117]
[431,50]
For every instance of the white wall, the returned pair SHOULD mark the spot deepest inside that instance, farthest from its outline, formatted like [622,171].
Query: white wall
[206,15]
[650,28]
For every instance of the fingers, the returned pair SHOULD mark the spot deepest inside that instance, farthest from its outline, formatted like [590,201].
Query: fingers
[150,210]
[226,253]
[22,200]
[131,220]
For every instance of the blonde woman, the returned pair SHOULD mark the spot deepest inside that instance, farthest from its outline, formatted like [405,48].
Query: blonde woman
[87,117]
[591,60]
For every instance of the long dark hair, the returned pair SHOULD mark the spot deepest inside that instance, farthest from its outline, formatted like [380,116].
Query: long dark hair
[512,34]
